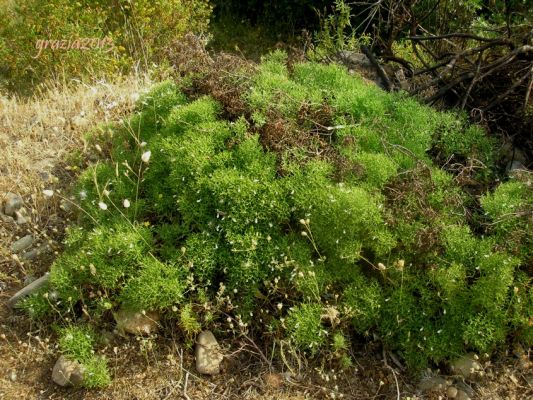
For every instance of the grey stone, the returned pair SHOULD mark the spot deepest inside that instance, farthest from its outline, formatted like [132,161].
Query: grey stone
[353,58]
[516,166]
[13,202]
[67,372]
[27,290]
[22,244]
[136,323]
[208,354]
[35,253]
[7,218]
[433,384]
[461,395]
[451,392]
[21,217]
[466,366]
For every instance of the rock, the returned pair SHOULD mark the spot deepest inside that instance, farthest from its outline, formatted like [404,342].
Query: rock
[27,290]
[515,166]
[452,392]
[433,384]
[22,244]
[7,218]
[463,387]
[13,202]
[466,366]
[136,323]
[462,395]
[34,253]
[13,376]
[208,354]
[21,217]
[67,372]
[355,59]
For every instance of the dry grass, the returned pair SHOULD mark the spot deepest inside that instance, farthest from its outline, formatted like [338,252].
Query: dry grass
[37,133]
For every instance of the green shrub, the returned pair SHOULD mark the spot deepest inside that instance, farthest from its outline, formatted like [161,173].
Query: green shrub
[367,237]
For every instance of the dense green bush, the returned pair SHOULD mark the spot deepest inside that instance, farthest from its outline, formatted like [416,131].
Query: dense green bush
[216,226]
[140,31]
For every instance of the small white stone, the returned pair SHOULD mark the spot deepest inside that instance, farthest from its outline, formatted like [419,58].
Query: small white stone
[67,372]
[48,192]
[137,323]
[208,354]
[466,366]
[126,203]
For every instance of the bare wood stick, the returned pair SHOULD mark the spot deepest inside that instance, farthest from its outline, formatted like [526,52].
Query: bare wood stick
[528,92]
[381,72]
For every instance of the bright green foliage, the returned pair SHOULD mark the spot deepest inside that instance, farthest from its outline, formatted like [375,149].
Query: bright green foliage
[157,285]
[102,258]
[189,321]
[77,343]
[364,234]
[363,300]
[304,326]
[510,209]
[154,107]
[377,168]
[96,373]
[471,142]
[342,218]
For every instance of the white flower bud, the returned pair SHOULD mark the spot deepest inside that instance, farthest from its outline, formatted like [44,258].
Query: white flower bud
[146,156]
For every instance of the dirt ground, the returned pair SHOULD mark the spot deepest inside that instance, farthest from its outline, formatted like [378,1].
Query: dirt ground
[37,137]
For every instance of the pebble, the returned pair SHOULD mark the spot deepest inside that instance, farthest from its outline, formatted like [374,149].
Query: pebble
[466,366]
[7,218]
[208,354]
[27,290]
[433,384]
[452,392]
[34,253]
[13,203]
[67,372]
[461,395]
[22,244]
[21,217]
[136,323]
